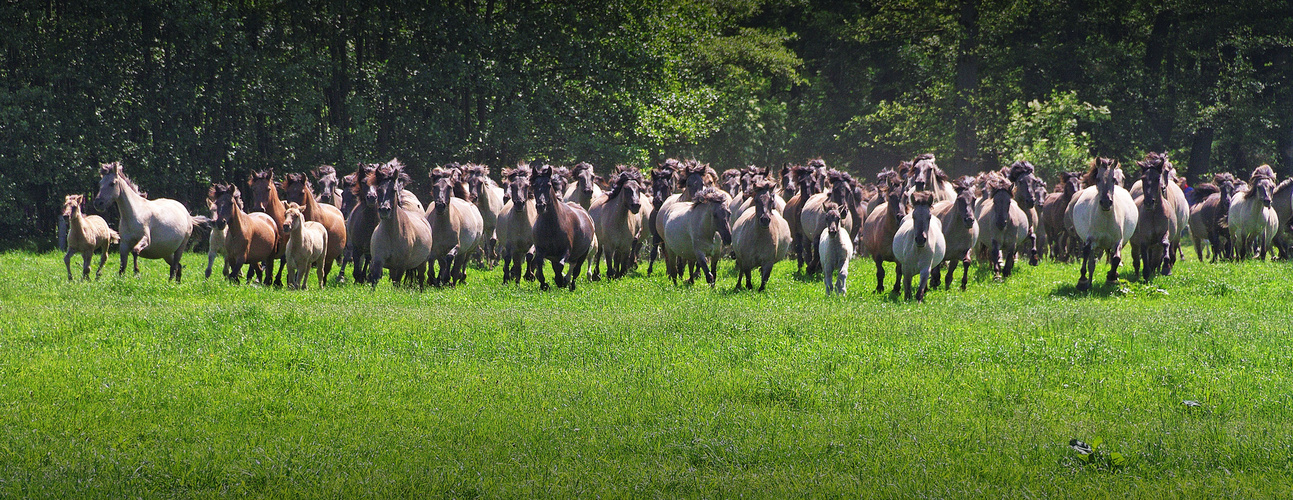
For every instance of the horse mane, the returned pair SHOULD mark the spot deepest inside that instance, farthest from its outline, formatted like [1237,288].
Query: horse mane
[1284,185]
[670,164]
[1262,172]
[108,168]
[1020,169]
[762,185]
[708,195]
[816,163]
[1091,176]
[623,178]
[324,171]
[922,198]
[1203,191]
[438,173]
[963,183]
[580,167]
[831,207]
[904,169]
[997,182]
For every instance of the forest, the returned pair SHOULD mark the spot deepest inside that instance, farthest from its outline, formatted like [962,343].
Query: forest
[188,92]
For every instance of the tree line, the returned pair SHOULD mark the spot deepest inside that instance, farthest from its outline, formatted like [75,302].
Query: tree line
[187,92]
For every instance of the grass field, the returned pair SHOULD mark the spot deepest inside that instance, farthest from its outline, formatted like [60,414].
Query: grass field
[636,388]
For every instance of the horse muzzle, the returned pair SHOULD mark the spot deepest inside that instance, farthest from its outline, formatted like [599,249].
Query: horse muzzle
[635,207]
[1106,205]
[765,219]
[921,241]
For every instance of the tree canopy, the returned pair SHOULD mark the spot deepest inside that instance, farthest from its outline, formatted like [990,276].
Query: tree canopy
[188,92]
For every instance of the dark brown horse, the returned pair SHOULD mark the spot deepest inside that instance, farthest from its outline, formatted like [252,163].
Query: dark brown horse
[563,233]
[806,186]
[1063,240]
[361,220]
[329,193]
[1208,217]
[662,184]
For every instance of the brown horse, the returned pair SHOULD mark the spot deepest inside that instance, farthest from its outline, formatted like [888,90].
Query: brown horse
[329,193]
[563,232]
[250,238]
[299,192]
[881,225]
[1151,243]
[361,220]
[1063,240]
[264,196]
[1208,217]
[86,234]
[806,186]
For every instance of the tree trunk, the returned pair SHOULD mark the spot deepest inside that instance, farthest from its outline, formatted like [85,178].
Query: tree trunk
[1200,153]
[967,84]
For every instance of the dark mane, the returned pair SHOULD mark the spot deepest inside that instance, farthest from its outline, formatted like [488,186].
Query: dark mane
[582,166]
[816,163]
[1262,172]
[996,182]
[922,198]
[1203,191]
[708,195]
[324,171]
[1092,173]
[1020,169]
[624,177]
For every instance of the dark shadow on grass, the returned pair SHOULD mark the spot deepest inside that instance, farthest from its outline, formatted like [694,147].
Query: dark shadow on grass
[1101,290]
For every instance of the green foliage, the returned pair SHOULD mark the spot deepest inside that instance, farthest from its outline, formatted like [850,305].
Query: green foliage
[1047,133]
[186,93]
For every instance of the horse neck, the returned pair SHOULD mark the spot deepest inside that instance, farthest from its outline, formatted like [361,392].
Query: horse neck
[130,206]
[297,234]
[76,225]
[274,206]
[311,209]
[239,219]
[706,222]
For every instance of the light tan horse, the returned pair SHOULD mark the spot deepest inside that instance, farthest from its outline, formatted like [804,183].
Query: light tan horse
[456,228]
[617,221]
[299,192]
[152,229]
[86,235]
[307,244]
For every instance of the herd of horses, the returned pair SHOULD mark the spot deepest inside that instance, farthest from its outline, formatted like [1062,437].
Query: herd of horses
[689,216]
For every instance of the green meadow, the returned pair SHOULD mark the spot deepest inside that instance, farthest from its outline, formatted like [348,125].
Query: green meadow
[135,386]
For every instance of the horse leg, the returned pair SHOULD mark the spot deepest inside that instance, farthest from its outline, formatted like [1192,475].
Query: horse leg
[558,272]
[897,278]
[595,273]
[67,262]
[936,276]
[965,272]
[1084,283]
[85,265]
[576,269]
[924,284]
[764,272]
[103,258]
[906,286]
[995,255]
[538,271]
[826,280]
[655,250]
[1033,258]
[1166,266]
[1010,252]
[1115,258]
[375,271]
[841,280]
[797,246]
[879,274]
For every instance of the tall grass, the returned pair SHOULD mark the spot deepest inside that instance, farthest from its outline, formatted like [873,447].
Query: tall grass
[136,386]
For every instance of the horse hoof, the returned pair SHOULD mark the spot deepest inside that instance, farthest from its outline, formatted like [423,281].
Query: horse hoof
[1083,286]
[543,286]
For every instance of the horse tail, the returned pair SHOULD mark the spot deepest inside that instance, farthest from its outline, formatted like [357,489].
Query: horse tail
[113,237]
[201,221]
